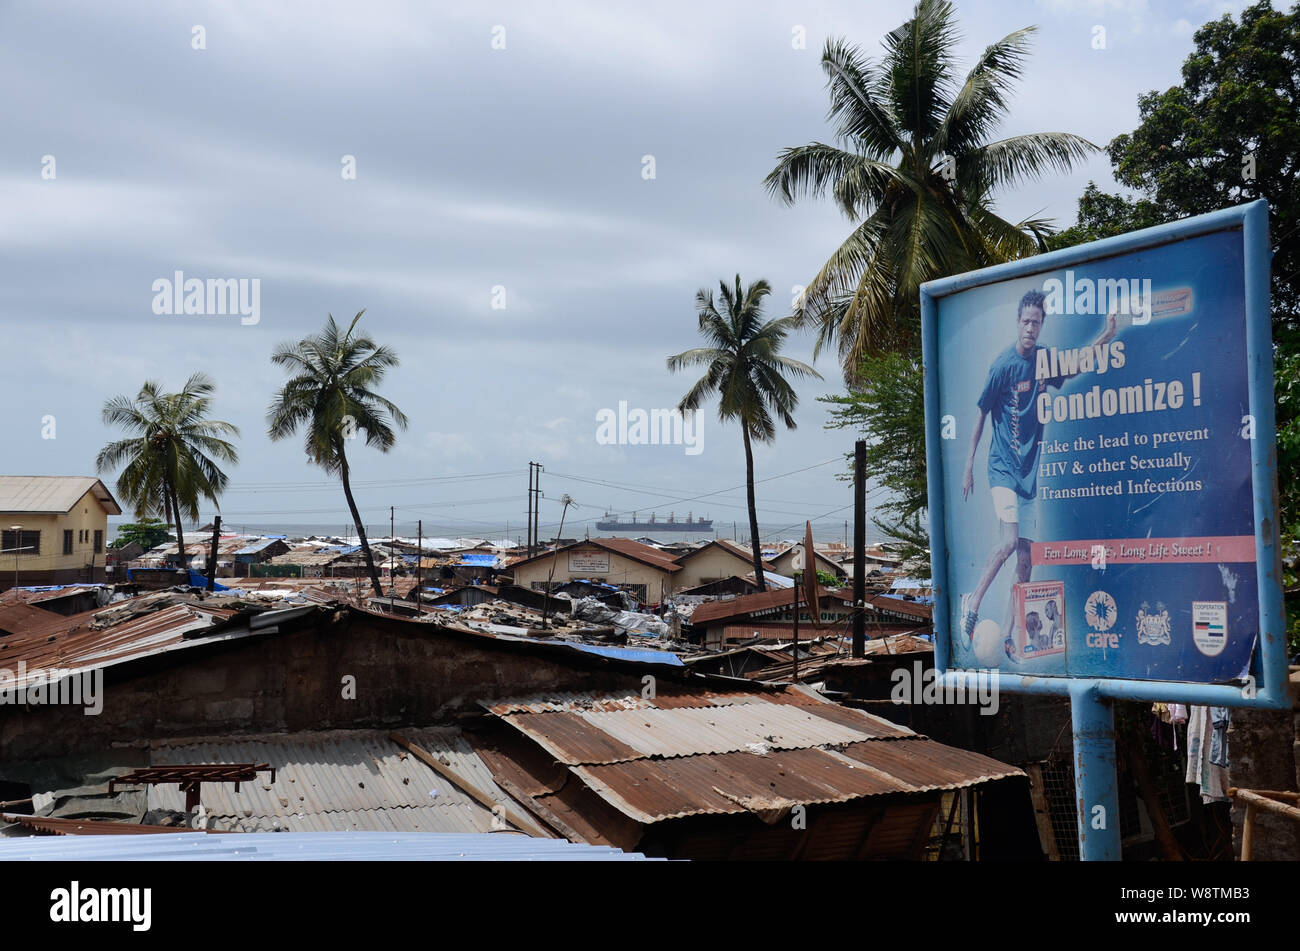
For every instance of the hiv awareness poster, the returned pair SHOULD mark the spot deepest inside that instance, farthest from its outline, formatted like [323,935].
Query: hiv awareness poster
[1095,443]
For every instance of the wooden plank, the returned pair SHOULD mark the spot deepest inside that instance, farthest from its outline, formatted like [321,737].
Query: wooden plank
[1042,817]
[516,818]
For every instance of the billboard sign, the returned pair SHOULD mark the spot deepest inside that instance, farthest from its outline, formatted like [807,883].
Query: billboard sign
[1099,445]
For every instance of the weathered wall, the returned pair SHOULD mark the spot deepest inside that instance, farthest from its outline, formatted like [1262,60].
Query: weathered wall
[406,673]
[621,571]
[1262,748]
[712,564]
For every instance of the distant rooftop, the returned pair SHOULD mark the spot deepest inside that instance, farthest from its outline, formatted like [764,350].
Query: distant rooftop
[51,495]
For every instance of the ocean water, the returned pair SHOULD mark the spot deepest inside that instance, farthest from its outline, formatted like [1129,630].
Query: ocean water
[825,531]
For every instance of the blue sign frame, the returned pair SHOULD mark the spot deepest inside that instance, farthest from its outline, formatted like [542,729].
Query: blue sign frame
[1267,688]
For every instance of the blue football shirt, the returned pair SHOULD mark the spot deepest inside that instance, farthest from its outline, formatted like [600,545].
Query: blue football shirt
[1009,397]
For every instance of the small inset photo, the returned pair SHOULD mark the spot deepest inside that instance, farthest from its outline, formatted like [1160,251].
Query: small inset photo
[1039,628]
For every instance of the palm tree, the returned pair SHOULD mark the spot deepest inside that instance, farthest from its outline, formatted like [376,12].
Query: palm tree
[172,460]
[744,366]
[914,169]
[331,395]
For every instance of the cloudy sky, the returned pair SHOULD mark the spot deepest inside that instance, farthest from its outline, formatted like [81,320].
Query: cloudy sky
[483,175]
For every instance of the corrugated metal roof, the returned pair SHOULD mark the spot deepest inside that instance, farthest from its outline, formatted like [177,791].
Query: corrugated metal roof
[307,846]
[619,546]
[52,825]
[613,736]
[254,547]
[747,604]
[653,790]
[721,755]
[667,696]
[73,643]
[344,780]
[46,495]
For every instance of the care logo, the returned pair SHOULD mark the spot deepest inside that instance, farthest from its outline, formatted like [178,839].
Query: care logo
[1100,611]
[1153,626]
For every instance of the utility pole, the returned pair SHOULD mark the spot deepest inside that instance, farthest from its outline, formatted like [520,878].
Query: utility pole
[859,548]
[392,554]
[537,506]
[566,500]
[529,516]
[419,557]
[212,553]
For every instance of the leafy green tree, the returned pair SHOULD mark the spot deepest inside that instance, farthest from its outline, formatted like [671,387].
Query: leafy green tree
[147,533]
[828,579]
[914,168]
[888,405]
[1229,134]
[744,366]
[171,461]
[331,396]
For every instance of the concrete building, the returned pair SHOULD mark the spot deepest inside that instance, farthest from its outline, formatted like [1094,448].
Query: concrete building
[784,563]
[646,573]
[52,529]
[716,561]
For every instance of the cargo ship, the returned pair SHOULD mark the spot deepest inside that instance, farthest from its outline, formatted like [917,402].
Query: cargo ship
[611,523]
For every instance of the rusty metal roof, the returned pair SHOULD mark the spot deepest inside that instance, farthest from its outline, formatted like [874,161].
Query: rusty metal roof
[765,602]
[667,696]
[73,643]
[619,546]
[19,617]
[723,753]
[618,735]
[49,825]
[654,790]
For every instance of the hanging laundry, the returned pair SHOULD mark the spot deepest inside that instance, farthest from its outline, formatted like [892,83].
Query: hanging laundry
[1219,720]
[1212,778]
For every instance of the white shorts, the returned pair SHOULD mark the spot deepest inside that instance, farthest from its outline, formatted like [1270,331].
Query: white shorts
[1016,510]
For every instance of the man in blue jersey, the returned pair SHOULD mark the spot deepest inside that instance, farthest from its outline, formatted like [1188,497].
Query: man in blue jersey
[1009,397]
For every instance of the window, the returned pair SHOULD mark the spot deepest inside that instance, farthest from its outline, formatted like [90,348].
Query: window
[99,540]
[29,542]
[67,541]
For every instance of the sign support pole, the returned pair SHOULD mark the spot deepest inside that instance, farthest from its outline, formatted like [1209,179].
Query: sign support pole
[1095,783]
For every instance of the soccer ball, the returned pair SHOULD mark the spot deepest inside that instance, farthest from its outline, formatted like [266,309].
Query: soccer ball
[988,643]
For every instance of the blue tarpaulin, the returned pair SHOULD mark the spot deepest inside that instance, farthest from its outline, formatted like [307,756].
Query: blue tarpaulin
[632,653]
[479,561]
[201,581]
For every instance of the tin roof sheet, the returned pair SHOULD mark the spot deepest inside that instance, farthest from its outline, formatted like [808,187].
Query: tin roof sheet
[343,780]
[667,696]
[760,752]
[307,846]
[73,643]
[617,735]
[51,494]
[654,790]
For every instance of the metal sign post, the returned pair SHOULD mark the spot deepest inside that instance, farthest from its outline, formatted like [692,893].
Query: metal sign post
[1100,448]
